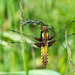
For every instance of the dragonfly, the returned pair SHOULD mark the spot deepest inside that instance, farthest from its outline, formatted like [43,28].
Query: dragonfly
[45,39]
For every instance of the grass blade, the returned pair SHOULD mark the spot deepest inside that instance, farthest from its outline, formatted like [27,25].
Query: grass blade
[69,53]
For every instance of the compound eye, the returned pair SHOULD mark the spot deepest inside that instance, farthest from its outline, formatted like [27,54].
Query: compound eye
[46,29]
[42,30]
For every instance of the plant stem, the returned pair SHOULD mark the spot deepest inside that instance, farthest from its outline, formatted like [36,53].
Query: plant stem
[69,53]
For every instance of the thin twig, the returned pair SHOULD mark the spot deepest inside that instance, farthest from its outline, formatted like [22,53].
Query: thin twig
[69,53]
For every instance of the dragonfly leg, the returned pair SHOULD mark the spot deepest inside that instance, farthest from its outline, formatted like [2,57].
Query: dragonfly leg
[37,44]
[37,39]
[51,37]
[50,43]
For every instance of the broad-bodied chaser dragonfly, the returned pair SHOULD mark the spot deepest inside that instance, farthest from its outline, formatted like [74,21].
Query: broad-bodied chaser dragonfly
[45,38]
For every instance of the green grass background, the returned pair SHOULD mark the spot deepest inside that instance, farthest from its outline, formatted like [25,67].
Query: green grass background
[24,57]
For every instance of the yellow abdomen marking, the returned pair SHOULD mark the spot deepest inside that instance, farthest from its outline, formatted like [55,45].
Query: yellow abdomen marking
[44,55]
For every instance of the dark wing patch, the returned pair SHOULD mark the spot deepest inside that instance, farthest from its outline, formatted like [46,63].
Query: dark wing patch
[50,43]
[37,44]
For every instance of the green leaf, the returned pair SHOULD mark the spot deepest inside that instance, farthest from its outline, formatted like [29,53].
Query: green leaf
[33,72]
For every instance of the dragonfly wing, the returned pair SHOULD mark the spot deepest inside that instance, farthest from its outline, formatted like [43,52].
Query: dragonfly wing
[50,43]
[37,44]
[60,35]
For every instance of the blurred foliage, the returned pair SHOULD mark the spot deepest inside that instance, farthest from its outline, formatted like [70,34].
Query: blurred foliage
[33,72]
[57,13]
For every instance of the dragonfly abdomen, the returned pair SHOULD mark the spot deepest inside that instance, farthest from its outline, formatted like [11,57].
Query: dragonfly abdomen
[44,55]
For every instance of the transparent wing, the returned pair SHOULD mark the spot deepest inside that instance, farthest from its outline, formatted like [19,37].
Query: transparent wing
[60,35]
[14,46]
[30,32]
[25,42]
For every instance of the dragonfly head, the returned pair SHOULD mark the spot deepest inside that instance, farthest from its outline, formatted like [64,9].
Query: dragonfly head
[44,28]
